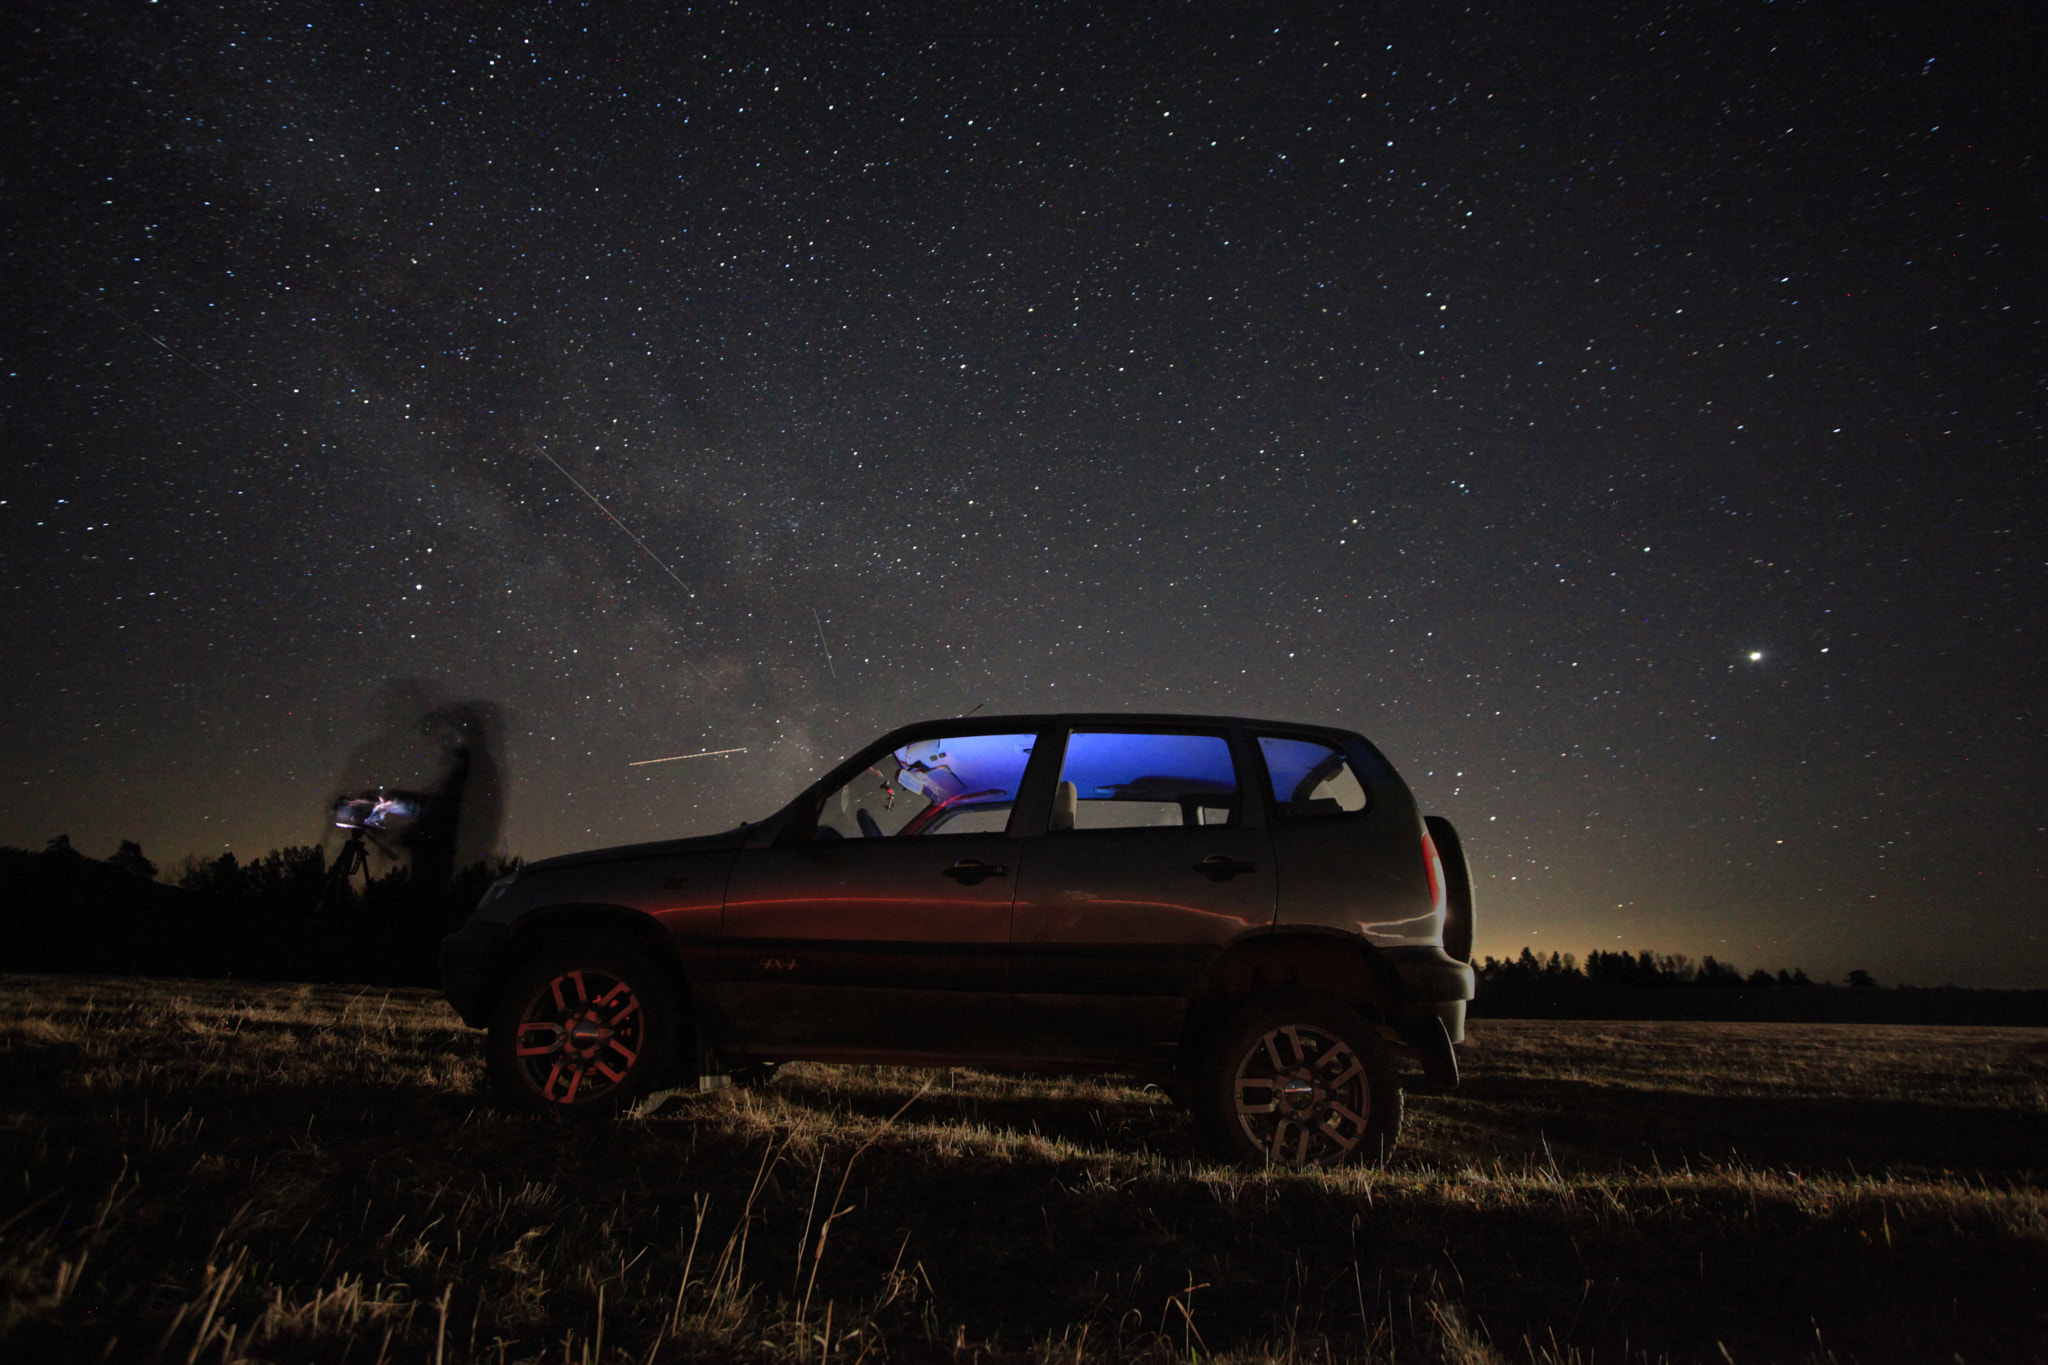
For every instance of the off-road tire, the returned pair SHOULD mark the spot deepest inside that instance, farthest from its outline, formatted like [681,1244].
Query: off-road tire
[1298,1079]
[585,1027]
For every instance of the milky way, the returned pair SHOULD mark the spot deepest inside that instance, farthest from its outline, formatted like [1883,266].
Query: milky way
[1631,420]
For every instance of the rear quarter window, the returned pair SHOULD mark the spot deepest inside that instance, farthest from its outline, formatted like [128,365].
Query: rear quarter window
[1310,779]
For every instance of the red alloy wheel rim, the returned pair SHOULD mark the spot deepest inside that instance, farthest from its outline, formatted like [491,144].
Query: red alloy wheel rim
[579,1037]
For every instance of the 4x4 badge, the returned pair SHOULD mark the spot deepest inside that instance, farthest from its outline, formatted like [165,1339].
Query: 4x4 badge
[778,964]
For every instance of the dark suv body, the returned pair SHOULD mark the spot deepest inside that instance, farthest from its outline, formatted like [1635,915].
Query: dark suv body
[1252,914]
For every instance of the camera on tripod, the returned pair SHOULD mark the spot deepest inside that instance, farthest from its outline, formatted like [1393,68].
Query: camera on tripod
[386,817]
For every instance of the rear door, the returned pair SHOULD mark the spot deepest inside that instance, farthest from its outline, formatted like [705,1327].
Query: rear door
[1153,859]
[883,930]
[1343,867]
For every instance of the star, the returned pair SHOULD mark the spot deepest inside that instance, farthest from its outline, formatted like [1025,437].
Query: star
[699,361]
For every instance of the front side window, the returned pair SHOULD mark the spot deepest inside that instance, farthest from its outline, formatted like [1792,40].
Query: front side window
[1310,778]
[933,786]
[1122,781]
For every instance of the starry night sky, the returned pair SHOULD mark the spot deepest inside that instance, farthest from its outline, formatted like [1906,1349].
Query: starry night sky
[1629,417]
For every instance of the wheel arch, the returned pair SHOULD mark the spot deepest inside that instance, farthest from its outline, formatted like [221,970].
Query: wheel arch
[1283,958]
[561,923]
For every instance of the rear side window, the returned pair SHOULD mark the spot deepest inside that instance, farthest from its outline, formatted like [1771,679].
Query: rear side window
[1310,778]
[1124,781]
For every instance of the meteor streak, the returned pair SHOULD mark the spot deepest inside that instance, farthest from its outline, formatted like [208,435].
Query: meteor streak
[822,645]
[629,535]
[675,758]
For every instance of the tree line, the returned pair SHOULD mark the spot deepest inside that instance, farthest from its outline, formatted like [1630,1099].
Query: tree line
[283,916]
[1646,968]
[1651,985]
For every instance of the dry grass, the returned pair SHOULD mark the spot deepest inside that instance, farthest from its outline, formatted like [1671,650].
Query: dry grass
[207,1172]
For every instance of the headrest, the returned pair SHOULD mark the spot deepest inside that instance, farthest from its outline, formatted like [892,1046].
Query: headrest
[1066,799]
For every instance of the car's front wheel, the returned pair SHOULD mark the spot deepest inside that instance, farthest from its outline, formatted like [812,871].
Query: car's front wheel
[585,1026]
[1299,1080]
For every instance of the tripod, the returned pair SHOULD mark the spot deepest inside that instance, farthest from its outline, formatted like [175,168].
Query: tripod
[353,858]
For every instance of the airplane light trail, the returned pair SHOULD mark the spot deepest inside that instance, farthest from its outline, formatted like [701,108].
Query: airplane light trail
[676,758]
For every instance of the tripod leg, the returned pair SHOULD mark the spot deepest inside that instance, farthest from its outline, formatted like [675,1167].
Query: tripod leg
[353,858]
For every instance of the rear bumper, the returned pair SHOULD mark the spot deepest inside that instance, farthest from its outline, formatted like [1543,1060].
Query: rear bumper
[471,959]
[1430,976]
[1434,987]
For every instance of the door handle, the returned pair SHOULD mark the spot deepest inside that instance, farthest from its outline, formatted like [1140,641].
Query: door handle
[968,871]
[1221,867]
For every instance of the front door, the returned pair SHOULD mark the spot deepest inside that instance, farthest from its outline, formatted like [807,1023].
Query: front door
[882,931]
[1147,869]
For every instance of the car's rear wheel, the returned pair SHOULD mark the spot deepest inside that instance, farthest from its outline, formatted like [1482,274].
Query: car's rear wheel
[584,1027]
[1299,1080]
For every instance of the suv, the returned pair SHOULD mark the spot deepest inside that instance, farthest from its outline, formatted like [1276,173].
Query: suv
[1250,914]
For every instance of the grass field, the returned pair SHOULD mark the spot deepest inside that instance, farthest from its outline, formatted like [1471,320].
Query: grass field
[217,1172]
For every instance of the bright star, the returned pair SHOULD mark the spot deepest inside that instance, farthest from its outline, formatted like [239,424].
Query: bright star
[1756,656]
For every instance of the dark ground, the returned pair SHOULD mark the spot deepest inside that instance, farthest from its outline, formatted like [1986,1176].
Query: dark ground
[218,1171]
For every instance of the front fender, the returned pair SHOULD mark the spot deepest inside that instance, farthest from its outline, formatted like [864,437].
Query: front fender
[473,961]
[476,959]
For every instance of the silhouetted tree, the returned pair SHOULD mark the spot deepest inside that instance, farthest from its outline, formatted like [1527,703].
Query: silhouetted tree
[1712,973]
[221,878]
[128,858]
